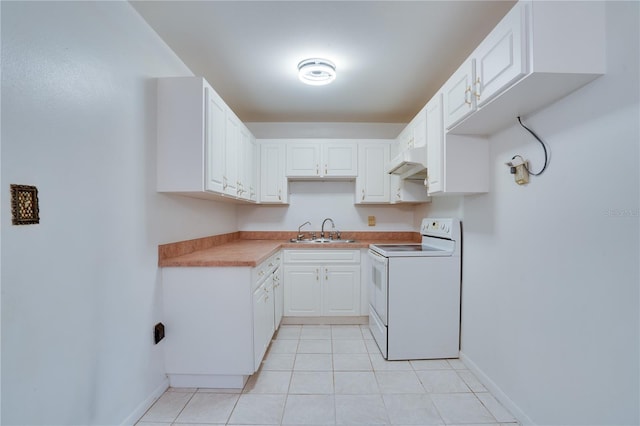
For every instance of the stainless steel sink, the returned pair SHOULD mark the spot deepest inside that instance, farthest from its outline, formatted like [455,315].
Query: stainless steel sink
[320,241]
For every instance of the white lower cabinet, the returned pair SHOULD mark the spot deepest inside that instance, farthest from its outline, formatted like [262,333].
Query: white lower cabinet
[219,322]
[263,319]
[322,282]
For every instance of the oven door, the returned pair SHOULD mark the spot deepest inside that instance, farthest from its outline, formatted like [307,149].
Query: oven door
[378,281]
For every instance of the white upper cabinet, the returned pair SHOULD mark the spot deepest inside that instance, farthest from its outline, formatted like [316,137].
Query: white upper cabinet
[501,58]
[273,182]
[232,146]
[215,116]
[458,100]
[538,53]
[435,145]
[408,191]
[303,159]
[199,141]
[372,183]
[319,159]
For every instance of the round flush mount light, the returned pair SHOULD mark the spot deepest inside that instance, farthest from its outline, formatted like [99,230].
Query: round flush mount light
[316,72]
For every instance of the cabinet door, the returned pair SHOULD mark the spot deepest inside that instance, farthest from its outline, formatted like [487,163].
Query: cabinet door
[501,58]
[435,142]
[243,162]
[340,290]
[303,159]
[408,191]
[339,159]
[273,182]
[232,140]
[419,124]
[372,182]
[278,297]
[215,112]
[263,317]
[302,295]
[458,100]
[252,158]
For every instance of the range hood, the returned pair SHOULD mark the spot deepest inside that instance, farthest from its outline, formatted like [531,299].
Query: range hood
[410,164]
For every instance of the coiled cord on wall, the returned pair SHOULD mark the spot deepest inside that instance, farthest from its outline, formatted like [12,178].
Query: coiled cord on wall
[546,156]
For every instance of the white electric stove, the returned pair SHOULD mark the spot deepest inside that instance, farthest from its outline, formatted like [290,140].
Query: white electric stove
[414,293]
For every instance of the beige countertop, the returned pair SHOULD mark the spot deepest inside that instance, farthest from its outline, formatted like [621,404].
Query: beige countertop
[251,248]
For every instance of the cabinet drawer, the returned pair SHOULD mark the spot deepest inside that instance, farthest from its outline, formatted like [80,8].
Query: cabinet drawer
[322,256]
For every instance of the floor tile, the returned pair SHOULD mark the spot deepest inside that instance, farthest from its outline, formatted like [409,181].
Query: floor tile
[472,381]
[381,364]
[276,361]
[366,332]
[360,410]
[430,364]
[208,408]
[258,409]
[442,381]
[495,408]
[461,408]
[352,362]
[355,382]
[411,409]
[167,407]
[289,332]
[456,364]
[311,382]
[315,332]
[372,347]
[349,346]
[323,375]
[399,382]
[283,346]
[314,346]
[346,332]
[219,390]
[313,362]
[309,409]
[268,382]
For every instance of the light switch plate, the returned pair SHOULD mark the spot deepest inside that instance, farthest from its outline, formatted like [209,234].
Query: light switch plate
[372,220]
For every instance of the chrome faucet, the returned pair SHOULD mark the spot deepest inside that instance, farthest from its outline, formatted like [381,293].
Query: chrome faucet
[333,226]
[300,235]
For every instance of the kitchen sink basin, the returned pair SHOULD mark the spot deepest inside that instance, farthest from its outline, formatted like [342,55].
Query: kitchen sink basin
[320,241]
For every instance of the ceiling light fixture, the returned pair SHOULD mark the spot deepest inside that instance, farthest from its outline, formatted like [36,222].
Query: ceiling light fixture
[316,72]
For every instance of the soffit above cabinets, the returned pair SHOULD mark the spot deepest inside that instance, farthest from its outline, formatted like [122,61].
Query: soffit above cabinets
[390,56]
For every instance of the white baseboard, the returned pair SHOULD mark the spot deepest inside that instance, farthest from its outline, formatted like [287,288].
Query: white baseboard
[144,405]
[209,381]
[350,320]
[496,391]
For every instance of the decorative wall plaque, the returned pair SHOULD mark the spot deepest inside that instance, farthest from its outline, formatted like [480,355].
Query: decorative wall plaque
[24,205]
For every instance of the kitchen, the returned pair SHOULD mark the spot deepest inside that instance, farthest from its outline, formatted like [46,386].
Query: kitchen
[550,269]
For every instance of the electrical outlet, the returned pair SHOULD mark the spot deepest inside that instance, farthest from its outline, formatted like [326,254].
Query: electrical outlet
[372,220]
[158,332]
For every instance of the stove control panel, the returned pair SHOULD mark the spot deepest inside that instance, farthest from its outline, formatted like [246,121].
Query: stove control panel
[443,228]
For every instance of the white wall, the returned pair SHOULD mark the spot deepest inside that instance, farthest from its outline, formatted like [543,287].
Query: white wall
[80,291]
[550,293]
[315,201]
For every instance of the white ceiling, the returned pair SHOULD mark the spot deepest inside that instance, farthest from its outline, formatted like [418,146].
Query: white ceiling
[391,56]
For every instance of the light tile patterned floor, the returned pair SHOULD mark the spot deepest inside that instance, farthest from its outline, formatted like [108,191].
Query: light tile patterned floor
[335,375]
